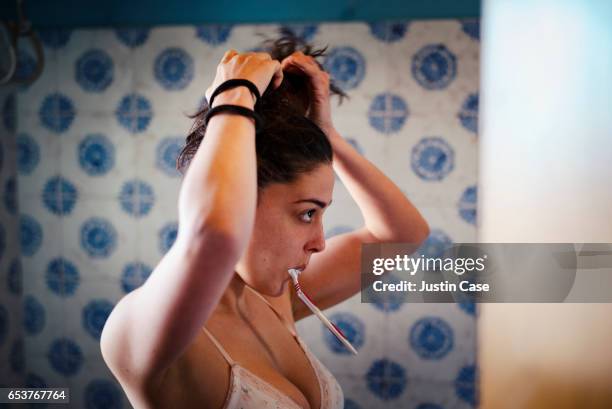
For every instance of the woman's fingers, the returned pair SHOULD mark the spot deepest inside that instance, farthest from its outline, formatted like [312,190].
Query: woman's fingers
[290,66]
[258,67]
[308,65]
[263,55]
[228,55]
[305,63]
[277,78]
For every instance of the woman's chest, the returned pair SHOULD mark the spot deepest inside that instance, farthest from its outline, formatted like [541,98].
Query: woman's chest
[270,359]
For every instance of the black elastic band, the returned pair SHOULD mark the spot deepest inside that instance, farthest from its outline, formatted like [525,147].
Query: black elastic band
[235,109]
[236,82]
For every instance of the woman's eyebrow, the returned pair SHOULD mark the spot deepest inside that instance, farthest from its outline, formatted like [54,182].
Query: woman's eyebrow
[318,202]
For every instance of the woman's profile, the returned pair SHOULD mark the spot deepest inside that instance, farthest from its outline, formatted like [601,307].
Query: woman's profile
[214,325]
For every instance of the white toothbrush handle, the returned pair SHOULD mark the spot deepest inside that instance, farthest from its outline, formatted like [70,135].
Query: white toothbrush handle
[325,321]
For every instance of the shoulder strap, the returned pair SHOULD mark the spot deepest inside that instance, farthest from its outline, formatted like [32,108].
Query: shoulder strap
[283,320]
[227,357]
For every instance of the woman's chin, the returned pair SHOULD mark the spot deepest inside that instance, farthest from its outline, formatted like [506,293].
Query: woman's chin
[272,288]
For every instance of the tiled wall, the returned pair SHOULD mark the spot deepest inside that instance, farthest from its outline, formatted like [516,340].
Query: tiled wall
[97,137]
[11,330]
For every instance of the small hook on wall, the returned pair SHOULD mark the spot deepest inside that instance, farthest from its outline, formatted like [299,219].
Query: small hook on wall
[10,32]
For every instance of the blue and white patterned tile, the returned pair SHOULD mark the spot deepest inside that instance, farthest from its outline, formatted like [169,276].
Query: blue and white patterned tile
[467,113]
[13,290]
[42,319]
[387,381]
[37,154]
[57,113]
[30,97]
[468,52]
[404,393]
[470,28]
[100,72]
[39,365]
[214,35]
[158,151]
[177,71]
[305,30]
[56,38]
[10,377]
[360,323]
[356,129]
[134,112]
[148,252]
[390,31]
[356,393]
[99,238]
[450,222]
[242,37]
[26,64]
[53,287]
[134,274]
[353,60]
[85,71]
[166,71]
[97,384]
[97,156]
[11,332]
[87,312]
[127,39]
[343,214]
[388,114]
[435,165]
[161,229]
[40,236]
[424,338]
[433,395]
[142,59]
[434,67]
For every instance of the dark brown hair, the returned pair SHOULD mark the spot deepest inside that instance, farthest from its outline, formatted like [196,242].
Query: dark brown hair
[289,143]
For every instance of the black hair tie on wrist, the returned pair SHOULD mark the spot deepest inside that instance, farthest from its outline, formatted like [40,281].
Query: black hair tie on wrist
[236,82]
[235,109]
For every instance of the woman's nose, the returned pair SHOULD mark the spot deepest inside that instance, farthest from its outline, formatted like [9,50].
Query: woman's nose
[317,243]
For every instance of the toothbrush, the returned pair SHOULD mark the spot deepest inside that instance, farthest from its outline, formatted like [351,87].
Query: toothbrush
[330,325]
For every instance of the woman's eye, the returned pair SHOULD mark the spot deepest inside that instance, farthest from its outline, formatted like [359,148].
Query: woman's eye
[310,214]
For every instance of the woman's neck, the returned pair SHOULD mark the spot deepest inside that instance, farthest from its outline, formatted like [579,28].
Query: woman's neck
[233,300]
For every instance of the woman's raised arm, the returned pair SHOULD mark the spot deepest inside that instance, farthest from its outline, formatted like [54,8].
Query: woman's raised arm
[388,214]
[150,327]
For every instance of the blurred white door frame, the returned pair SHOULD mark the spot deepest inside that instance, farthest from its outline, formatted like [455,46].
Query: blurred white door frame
[546,176]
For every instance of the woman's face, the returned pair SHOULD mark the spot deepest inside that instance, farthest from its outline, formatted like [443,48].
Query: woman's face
[288,230]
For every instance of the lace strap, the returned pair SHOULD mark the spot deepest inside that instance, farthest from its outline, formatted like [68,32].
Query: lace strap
[227,357]
[283,320]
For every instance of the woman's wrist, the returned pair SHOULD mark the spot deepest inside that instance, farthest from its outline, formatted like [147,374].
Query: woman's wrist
[331,133]
[236,96]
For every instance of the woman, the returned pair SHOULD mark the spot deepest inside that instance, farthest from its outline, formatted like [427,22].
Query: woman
[214,325]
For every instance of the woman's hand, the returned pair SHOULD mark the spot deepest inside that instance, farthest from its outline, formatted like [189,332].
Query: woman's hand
[259,68]
[319,110]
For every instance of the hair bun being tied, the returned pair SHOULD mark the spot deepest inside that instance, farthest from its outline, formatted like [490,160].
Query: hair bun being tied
[289,142]
[294,91]
[291,95]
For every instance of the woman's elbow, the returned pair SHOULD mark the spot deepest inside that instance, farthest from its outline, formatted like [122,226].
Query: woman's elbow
[416,234]
[424,232]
